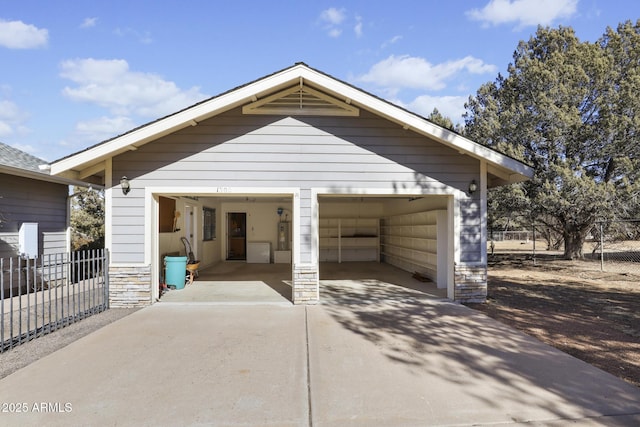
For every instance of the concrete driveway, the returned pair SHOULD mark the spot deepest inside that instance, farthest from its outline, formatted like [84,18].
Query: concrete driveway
[398,359]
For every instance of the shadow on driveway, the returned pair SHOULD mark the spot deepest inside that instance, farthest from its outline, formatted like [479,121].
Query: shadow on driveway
[397,358]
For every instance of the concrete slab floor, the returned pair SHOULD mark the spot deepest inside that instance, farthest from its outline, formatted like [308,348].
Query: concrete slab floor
[239,282]
[409,362]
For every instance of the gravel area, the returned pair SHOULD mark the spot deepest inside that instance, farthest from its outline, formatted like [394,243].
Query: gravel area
[25,354]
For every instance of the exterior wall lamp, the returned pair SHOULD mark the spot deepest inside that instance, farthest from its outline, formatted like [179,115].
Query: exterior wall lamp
[473,187]
[124,184]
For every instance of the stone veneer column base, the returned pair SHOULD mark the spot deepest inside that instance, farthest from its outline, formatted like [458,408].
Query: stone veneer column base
[129,287]
[306,284]
[470,283]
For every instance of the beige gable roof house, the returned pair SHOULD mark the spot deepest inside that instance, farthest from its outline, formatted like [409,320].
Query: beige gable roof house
[298,168]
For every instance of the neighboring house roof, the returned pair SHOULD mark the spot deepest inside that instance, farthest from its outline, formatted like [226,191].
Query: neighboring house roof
[272,95]
[16,162]
[10,156]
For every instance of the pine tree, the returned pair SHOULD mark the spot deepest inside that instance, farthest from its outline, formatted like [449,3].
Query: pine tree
[570,109]
[87,219]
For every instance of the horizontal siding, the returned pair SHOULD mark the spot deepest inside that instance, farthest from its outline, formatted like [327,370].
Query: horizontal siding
[8,245]
[50,243]
[54,243]
[470,231]
[234,150]
[27,200]
[277,152]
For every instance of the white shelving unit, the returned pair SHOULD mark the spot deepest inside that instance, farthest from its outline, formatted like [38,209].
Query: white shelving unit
[349,239]
[416,243]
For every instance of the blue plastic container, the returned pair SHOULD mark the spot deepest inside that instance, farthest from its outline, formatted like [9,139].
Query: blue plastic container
[175,271]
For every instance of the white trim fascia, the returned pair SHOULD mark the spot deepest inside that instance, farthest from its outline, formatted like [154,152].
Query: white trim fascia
[453,247]
[483,212]
[221,191]
[149,224]
[384,192]
[67,243]
[315,226]
[268,85]
[457,225]
[295,225]
[151,241]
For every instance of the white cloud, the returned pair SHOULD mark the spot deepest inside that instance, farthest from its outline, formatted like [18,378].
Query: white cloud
[5,129]
[100,129]
[391,41]
[333,16]
[89,22]
[144,38]
[131,97]
[18,35]
[524,13]
[449,106]
[111,84]
[358,27]
[331,19]
[11,118]
[407,72]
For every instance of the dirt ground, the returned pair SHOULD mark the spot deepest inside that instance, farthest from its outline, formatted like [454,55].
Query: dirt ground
[590,314]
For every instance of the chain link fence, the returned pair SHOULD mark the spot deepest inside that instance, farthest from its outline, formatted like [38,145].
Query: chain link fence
[616,245]
[612,246]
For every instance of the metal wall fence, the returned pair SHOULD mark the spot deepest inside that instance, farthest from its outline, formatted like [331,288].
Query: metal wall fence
[41,295]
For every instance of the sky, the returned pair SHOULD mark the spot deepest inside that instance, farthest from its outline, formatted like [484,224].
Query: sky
[75,73]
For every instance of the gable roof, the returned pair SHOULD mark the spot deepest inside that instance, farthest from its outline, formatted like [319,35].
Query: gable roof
[280,93]
[16,162]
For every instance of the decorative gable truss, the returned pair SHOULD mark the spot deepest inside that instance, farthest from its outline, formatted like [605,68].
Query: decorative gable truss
[301,100]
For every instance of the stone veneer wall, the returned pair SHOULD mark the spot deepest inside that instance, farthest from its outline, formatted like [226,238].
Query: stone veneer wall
[470,283]
[129,287]
[305,284]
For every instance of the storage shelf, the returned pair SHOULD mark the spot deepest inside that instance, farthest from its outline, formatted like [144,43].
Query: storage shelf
[410,242]
[349,239]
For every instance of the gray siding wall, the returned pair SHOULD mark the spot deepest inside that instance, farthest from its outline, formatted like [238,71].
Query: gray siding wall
[470,230]
[9,245]
[29,200]
[54,243]
[235,150]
